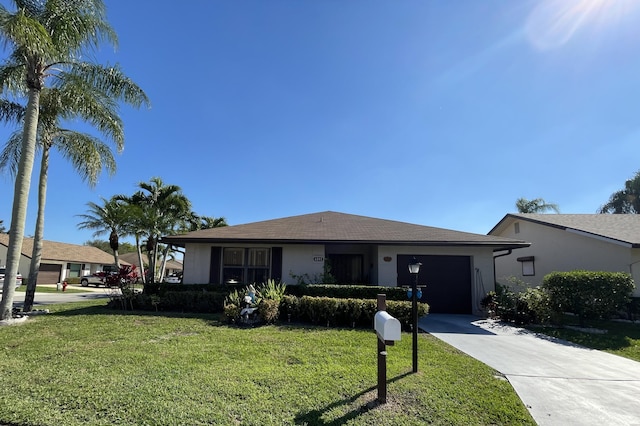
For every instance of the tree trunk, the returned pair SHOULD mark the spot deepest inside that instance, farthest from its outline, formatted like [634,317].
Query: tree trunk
[20,201]
[36,254]
[140,261]
[163,265]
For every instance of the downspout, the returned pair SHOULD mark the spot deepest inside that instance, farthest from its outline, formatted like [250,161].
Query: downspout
[509,251]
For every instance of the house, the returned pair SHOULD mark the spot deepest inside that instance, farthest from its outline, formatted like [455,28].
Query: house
[59,260]
[566,242]
[171,267]
[457,267]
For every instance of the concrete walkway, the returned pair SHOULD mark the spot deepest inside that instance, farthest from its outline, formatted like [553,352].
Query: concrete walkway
[560,383]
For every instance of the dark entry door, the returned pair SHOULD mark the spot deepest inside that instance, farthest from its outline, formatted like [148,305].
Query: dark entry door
[447,280]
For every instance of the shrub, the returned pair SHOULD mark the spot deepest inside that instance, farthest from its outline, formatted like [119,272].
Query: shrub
[588,294]
[272,290]
[347,291]
[523,307]
[268,309]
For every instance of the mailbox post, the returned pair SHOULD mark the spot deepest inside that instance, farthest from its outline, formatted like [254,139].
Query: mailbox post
[388,330]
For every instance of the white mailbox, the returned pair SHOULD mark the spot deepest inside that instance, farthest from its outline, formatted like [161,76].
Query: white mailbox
[386,326]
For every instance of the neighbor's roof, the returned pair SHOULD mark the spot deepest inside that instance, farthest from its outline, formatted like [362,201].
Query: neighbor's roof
[63,252]
[619,227]
[333,227]
[132,258]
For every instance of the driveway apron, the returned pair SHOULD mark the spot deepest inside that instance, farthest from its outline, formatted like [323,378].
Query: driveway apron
[559,382]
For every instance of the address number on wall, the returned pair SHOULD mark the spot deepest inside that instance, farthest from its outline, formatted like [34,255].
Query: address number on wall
[318,259]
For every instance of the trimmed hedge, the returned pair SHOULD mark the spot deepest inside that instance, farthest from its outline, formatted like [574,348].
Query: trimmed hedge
[332,311]
[348,312]
[589,294]
[342,291]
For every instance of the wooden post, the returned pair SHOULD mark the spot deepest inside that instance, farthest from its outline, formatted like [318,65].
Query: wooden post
[382,357]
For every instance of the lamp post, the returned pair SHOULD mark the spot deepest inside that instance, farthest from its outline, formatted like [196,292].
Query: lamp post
[414,269]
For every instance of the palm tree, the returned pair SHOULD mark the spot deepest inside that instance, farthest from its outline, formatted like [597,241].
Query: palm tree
[88,154]
[626,200]
[163,208]
[109,218]
[45,38]
[537,205]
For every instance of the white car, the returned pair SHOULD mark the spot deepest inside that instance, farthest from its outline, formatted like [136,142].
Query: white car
[175,278]
[2,272]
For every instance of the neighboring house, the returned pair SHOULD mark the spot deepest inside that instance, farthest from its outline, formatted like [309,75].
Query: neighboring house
[457,267]
[566,242]
[172,266]
[59,260]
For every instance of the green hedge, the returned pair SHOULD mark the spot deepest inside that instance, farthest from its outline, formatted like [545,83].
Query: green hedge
[342,291]
[344,312]
[589,294]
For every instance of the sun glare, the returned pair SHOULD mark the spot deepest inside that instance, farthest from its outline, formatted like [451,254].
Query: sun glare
[553,23]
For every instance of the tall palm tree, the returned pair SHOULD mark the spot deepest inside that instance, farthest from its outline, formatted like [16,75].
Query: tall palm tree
[162,209]
[45,38]
[87,154]
[111,218]
[537,205]
[626,200]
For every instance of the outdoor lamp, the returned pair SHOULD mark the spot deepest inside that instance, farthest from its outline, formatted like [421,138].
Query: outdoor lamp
[414,269]
[414,266]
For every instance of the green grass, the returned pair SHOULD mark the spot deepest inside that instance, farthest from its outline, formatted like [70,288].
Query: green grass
[621,338]
[47,289]
[83,364]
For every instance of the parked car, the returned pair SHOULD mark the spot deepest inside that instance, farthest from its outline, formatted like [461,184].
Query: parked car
[175,278]
[2,272]
[99,278]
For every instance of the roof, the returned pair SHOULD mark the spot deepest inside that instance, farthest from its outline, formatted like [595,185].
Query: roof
[332,227]
[623,228]
[63,252]
[132,258]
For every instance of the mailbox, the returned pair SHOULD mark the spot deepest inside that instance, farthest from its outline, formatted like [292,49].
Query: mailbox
[386,326]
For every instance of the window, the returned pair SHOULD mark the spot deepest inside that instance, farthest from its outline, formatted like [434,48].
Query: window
[245,265]
[74,270]
[516,227]
[528,266]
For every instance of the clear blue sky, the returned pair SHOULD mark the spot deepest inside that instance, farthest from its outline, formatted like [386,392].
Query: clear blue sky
[439,113]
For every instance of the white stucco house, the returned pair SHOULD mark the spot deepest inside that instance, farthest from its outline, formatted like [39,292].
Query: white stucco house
[457,267]
[566,242]
[59,260]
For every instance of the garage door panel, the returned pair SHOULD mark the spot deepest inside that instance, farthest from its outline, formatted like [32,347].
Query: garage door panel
[49,273]
[447,280]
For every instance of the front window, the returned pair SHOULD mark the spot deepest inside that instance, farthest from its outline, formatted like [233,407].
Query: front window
[245,265]
[75,270]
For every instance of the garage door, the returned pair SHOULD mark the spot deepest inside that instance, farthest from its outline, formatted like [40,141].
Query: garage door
[49,273]
[448,281]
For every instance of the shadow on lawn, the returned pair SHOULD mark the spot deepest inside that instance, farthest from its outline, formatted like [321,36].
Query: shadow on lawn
[315,417]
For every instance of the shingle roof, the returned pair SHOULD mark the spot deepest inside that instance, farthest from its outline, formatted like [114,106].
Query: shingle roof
[63,252]
[333,227]
[620,227]
[132,258]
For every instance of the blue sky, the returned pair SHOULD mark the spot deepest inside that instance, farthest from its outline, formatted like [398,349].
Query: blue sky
[439,113]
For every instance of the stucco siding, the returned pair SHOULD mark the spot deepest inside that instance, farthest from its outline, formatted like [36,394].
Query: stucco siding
[481,264]
[556,249]
[302,259]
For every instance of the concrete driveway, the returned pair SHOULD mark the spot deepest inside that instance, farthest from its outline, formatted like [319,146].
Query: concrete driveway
[560,383]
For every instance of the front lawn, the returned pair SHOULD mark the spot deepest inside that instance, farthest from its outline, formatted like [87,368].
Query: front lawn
[83,364]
